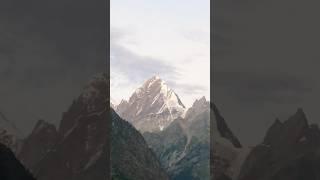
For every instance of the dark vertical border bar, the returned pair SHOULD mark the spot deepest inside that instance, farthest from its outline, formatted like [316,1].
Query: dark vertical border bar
[212,47]
[107,47]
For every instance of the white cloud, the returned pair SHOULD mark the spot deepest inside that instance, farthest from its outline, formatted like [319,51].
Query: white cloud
[163,38]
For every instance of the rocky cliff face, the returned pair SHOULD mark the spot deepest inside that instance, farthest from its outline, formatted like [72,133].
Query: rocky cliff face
[9,135]
[227,154]
[183,147]
[42,140]
[83,135]
[290,151]
[79,148]
[152,107]
[131,158]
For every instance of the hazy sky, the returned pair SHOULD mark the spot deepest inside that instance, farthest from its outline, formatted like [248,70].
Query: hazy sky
[169,38]
[48,51]
[266,63]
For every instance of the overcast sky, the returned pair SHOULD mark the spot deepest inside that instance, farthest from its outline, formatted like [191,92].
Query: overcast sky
[48,52]
[267,63]
[168,38]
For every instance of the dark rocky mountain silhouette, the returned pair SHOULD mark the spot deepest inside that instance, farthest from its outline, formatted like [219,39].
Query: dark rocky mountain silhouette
[9,134]
[181,139]
[131,158]
[79,148]
[227,153]
[43,139]
[10,167]
[290,151]
[222,127]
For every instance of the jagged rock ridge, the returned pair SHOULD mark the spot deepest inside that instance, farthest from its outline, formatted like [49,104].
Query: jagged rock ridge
[131,157]
[78,149]
[183,147]
[290,150]
[227,153]
[152,107]
[81,150]
[9,134]
[43,139]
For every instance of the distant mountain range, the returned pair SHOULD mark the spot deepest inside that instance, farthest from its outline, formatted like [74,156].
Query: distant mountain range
[78,149]
[289,151]
[184,146]
[180,137]
[227,153]
[154,136]
[131,158]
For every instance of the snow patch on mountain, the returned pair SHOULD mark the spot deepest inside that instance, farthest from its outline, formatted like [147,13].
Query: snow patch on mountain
[152,107]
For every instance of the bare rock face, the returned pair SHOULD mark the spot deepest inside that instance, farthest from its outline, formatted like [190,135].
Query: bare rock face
[42,140]
[9,135]
[227,154]
[290,151]
[79,149]
[221,128]
[131,158]
[152,107]
[83,134]
[183,148]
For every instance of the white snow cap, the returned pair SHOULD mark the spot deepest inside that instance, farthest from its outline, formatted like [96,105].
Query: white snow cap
[154,98]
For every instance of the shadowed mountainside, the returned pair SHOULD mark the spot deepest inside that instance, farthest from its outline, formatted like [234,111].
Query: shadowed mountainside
[10,167]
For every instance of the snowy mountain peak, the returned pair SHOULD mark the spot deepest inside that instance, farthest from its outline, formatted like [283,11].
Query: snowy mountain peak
[155,77]
[153,99]
[154,83]
[156,94]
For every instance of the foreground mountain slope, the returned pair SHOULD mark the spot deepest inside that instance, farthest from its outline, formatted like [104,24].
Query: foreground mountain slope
[131,157]
[290,151]
[42,139]
[227,154]
[10,167]
[152,107]
[83,134]
[183,147]
[80,149]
